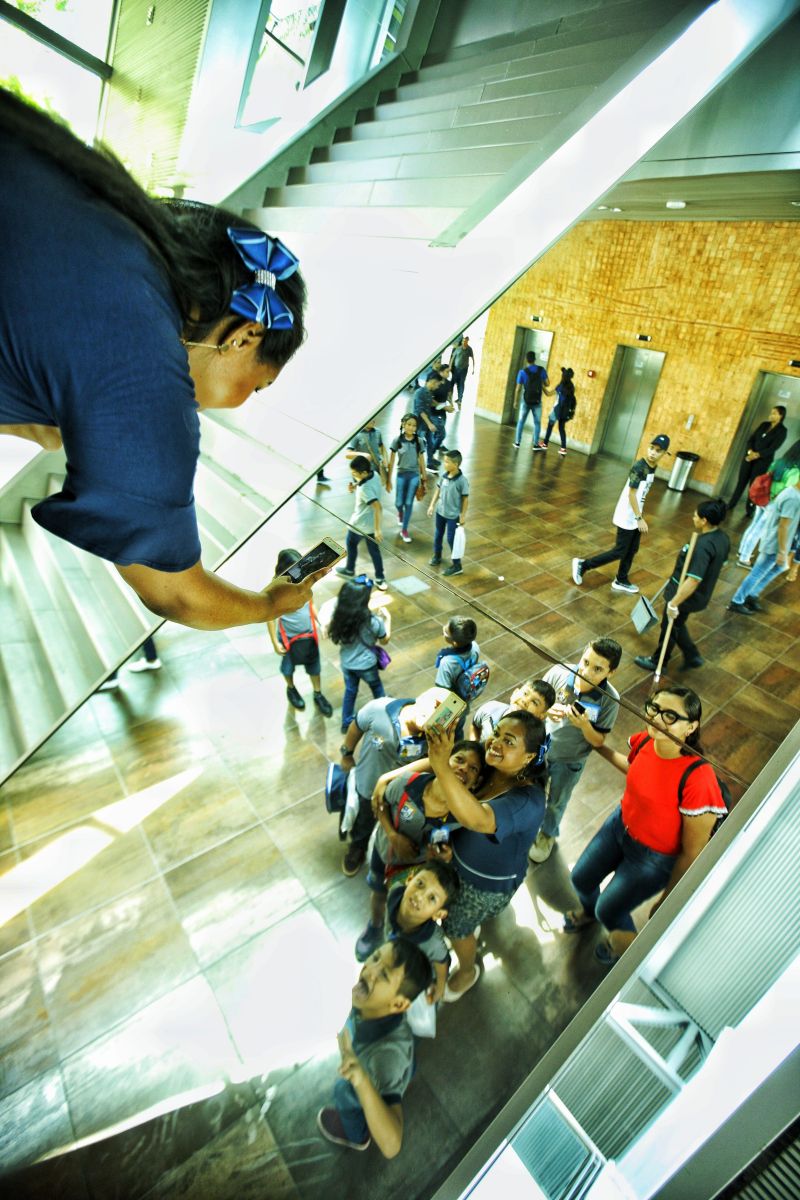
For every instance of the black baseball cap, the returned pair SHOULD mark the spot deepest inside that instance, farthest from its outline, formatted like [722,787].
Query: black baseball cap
[661,440]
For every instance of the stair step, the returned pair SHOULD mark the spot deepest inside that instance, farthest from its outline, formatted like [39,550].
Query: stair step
[261,475]
[112,616]
[22,577]
[233,504]
[432,193]
[412,224]
[438,164]
[32,701]
[75,665]
[439,108]
[522,132]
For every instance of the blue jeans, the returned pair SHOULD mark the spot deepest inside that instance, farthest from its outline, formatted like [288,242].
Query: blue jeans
[351,542]
[536,410]
[765,570]
[350,1111]
[563,778]
[637,874]
[752,535]
[352,678]
[405,493]
[435,438]
[445,523]
[459,375]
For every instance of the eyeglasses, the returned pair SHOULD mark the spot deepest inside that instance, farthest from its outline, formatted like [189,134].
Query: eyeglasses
[668,715]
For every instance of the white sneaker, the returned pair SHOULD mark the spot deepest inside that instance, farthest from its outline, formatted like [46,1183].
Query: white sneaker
[541,848]
[577,571]
[110,685]
[618,586]
[143,664]
[405,535]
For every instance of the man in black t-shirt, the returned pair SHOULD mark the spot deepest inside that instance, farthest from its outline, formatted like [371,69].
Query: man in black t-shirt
[708,559]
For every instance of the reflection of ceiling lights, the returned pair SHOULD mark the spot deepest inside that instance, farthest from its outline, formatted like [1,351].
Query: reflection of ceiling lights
[795,203]
[676,204]
[616,210]
[604,207]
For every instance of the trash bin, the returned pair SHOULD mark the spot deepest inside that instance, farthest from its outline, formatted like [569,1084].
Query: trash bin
[684,461]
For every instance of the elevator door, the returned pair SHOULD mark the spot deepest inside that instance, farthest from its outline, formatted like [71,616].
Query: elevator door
[631,387]
[537,340]
[769,390]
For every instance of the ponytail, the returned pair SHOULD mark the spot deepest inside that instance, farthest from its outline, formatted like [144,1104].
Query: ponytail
[187,239]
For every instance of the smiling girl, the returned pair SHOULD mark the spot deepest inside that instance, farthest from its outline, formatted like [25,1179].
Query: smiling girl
[671,803]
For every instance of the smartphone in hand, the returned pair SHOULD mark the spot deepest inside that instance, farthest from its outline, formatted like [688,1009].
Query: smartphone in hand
[579,708]
[325,554]
[446,713]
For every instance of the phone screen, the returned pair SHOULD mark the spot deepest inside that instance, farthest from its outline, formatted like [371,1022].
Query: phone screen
[323,555]
[579,708]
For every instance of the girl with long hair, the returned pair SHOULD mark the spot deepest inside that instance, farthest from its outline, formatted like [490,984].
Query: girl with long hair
[671,803]
[120,317]
[564,408]
[356,630]
[408,449]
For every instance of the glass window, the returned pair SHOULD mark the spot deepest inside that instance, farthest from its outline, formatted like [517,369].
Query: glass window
[282,57]
[84,22]
[57,85]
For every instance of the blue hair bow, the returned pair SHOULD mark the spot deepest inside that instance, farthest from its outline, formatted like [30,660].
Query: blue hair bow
[269,260]
[545,746]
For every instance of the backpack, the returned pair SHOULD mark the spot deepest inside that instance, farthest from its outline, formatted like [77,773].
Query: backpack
[725,791]
[306,645]
[474,674]
[532,387]
[568,408]
[760,489]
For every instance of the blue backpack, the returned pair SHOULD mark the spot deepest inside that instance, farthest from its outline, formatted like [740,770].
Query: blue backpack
[474,674]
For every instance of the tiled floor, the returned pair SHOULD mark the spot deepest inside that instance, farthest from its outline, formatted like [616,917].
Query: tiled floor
[177,947]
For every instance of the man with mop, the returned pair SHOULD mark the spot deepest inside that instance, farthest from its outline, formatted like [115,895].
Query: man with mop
[690,590]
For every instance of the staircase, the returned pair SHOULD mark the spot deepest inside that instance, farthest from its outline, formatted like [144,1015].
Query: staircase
[411,218]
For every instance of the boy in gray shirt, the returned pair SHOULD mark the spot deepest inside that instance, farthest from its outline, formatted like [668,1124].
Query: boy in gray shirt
[367,516]
[450,502]
[584,713]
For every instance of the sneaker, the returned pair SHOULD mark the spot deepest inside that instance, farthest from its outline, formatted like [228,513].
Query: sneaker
[323,704]
[452,570]
[381,585]
[753,604]
[346,572]
[619,585]
[404,534]
[516,445]
[435,561]
[689,664]
[144,664]
[744,563]
[110,685]
[369,940]
[330,1126]
[577,571]
[540,446]
[541,849]
[353,859]
[740,608]
[645,662]
[562,453]
[294,698]
[322,479]
[400,520]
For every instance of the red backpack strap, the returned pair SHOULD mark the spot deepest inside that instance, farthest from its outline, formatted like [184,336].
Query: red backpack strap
[314,632]
[404,798]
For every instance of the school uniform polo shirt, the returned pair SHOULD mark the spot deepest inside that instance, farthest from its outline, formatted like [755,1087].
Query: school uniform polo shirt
[367,492]
[486,717]
[428,936]
[381,747]
[567,744]
[386,1049]
[451,491]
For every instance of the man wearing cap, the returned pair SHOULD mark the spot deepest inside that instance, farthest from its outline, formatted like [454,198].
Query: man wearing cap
[628,519]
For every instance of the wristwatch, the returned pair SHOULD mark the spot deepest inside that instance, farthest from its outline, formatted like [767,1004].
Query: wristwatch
[345,752]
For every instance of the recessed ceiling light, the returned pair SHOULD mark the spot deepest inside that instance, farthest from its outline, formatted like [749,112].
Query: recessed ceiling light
[604,207]
[795,203]
[676,204]
[616,210]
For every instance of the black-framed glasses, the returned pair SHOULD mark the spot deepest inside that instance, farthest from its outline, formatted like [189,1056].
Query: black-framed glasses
[668,715]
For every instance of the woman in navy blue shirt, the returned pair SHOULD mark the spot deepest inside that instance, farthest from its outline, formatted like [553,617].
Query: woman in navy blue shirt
[120,317]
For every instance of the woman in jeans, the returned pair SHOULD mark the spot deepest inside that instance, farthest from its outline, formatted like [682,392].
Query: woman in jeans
[357,631]
[672,801]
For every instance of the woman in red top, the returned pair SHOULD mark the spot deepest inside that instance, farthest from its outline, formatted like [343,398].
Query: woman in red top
[664,821]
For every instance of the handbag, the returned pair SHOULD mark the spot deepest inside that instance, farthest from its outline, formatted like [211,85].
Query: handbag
[760,489]
[421,489]
[644,615]
[382,657]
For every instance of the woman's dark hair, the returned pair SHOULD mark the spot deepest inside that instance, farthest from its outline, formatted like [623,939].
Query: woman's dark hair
[781,408]
[567,385]
[285,560]
[533,735]
[351,613]
[417,970]
[694,711]
[713,511]
[446,875]
[188,240]
[462,631]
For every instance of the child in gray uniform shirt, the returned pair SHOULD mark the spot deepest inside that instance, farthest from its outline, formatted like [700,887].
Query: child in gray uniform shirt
[450,501]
